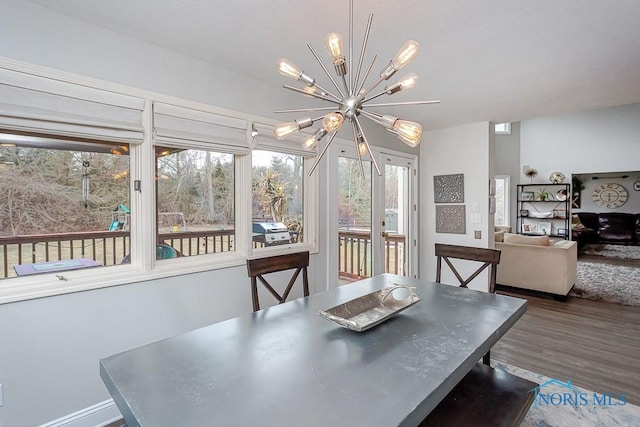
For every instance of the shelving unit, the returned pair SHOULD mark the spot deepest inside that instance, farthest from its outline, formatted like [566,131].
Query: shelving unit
[544,209]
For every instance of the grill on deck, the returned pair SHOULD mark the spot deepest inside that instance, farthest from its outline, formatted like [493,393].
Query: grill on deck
[271,233]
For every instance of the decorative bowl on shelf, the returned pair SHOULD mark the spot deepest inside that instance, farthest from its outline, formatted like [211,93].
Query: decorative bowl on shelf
[556,178]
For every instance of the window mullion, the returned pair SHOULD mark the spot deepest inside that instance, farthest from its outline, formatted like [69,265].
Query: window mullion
[143,233]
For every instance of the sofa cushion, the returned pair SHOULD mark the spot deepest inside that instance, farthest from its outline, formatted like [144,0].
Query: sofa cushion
[616,226]
[527,240]
[589,220]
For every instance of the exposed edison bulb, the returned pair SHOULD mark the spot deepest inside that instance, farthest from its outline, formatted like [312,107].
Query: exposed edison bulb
[409,132]
[311,90]
[409,81]
[288,68]
[333,43]
[283,130]
[406,54]
[362,149]
[312,140]
[332,121]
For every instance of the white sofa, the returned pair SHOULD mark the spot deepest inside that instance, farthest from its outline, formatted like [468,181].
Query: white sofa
[537,264]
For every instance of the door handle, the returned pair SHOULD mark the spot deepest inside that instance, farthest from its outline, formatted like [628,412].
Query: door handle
[384,234]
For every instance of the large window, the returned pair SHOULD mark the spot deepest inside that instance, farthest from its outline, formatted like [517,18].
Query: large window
[96,177]
[65,204]
[277,194]
[195,202]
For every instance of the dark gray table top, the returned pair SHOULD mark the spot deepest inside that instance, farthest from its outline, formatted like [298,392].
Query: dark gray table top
[286,366]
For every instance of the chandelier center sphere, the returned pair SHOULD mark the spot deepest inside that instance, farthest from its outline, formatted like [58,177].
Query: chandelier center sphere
[350,106]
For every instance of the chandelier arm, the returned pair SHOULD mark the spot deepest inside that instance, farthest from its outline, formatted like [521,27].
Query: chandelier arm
[325,70]
[374,85]
[355,139]
[324,150]
[315,95]
[392,104]
[375,96]
[346,86]
[371,116]
[367,73]
[328,93]
[362,52]
[364,138]
[350,87]
[301,110]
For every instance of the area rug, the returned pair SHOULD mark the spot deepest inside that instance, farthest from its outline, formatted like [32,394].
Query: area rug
[560,403]
[606,282]
[612,251]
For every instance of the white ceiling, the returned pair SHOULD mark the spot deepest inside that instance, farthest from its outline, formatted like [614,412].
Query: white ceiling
[494,60]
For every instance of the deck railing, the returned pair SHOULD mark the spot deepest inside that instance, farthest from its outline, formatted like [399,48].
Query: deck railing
[105,247]
[111,248]
[354,257]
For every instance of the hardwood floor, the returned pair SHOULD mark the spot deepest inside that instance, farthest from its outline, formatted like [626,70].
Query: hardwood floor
[594,344]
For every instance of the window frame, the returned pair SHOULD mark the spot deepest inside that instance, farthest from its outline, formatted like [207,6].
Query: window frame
[143,205]
[502,128]
[309,213]
[507,200]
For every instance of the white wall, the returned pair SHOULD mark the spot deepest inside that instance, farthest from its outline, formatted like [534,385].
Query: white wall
[50,347]
[604,140]
[465,149]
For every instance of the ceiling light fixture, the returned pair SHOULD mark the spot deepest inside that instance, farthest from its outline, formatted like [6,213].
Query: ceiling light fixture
[352,98]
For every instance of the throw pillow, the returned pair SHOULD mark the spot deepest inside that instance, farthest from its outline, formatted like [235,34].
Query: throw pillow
[527,240]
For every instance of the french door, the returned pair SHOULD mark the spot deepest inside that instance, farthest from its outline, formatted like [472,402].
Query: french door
[373,219]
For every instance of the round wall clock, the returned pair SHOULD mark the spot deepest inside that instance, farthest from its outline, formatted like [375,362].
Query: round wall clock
[610,195]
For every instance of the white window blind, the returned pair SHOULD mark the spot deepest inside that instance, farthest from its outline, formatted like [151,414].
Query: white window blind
[264,140]
[35,104]
[185,127]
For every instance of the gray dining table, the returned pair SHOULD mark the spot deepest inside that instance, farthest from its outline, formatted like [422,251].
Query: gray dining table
[287,366]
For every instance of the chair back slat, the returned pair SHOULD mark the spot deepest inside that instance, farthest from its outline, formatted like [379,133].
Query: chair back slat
[490,258]
[277,263]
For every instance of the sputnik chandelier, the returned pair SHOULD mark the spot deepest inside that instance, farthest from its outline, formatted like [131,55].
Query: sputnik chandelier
[353,96]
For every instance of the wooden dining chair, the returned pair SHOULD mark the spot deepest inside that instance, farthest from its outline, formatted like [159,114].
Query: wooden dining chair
[485,396]
[488,257]
[257,268]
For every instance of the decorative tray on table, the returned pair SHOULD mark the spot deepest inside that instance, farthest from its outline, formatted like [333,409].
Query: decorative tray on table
[369,310]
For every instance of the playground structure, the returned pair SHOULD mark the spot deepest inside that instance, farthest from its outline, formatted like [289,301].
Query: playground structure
[120,218]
